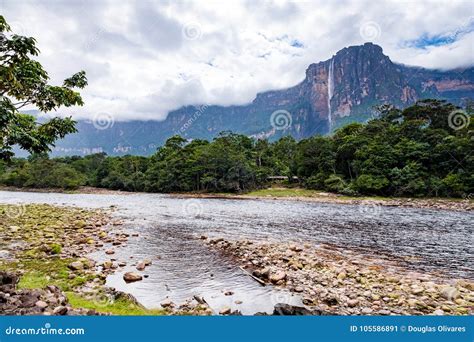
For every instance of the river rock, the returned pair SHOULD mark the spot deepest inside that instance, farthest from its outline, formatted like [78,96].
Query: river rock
[298,289]
[449,292]
[262,273]
[76,266]
[131,277]
[109,251]
[167,303]
[140,266]
[342,275]
[60,310]
[225,310]
[107,264]
[352,303]
[296,248]
[88,263]
[281,309]
[41,304]
[278,276]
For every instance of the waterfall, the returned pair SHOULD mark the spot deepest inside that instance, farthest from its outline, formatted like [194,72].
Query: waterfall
[330,91]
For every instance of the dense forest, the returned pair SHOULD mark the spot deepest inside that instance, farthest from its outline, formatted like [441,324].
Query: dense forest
[423,150]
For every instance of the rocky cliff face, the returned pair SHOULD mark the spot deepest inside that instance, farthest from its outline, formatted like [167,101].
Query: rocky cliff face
[334,92]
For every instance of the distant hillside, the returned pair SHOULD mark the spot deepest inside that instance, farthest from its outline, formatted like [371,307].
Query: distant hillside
[334,92]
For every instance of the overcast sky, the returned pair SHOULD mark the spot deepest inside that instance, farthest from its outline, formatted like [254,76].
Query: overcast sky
[145,58]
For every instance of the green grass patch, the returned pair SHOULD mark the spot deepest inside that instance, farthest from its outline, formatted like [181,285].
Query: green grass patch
[119,307]
[284,192]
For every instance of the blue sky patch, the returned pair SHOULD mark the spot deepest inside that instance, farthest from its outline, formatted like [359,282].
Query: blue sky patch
[445,38]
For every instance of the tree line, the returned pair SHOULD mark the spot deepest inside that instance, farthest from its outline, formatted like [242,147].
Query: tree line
[417,151]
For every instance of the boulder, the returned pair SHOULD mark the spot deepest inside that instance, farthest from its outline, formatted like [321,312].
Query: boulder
[167,303]
[76,266]
[449,293]
[60,310]
[281,309]
[225,310]
[277,276]
[262,273]
[41,304]
[131,277]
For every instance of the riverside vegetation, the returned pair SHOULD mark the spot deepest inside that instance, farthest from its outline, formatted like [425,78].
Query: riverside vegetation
[412,152]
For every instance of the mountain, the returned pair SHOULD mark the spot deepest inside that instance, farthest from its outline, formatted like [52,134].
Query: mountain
[334,92]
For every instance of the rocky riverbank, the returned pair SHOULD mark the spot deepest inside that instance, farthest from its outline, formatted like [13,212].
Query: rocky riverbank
[48,301]
[466,204]
[340,282]
[45,268]
[43,252]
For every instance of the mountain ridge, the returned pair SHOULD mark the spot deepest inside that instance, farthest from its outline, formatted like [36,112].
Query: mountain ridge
[334,92]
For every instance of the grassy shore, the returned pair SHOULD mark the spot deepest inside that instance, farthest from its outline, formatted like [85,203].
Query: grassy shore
[43,242]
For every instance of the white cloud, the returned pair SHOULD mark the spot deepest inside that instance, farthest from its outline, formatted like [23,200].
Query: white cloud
[141,65]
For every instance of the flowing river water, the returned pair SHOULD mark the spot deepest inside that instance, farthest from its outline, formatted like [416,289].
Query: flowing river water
[421,239]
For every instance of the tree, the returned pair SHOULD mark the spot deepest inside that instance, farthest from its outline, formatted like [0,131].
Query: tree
[23,82]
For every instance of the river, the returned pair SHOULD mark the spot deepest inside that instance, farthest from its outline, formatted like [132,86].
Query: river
[423,240]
